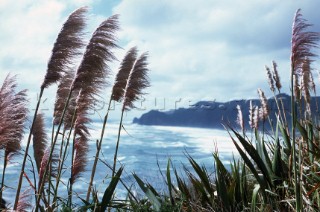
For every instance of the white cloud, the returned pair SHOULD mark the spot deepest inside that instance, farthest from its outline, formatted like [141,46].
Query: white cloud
[211,49]
[28,31]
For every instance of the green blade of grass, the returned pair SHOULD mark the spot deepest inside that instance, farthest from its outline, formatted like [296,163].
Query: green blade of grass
[107,197]
[221,183]
[148,192]
[256,158]
[182,186]
[249,164]
[285,137]
[202,173]
[254,197]
[169,182]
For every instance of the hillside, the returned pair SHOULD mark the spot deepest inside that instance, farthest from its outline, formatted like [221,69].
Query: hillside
[206,114]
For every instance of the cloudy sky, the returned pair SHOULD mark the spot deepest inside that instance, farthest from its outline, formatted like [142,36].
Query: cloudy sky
[199,50]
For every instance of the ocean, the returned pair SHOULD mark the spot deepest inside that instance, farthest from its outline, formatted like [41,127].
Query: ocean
[143,150]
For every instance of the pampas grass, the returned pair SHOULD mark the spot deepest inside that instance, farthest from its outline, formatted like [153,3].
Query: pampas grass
[24,203]
[94,68]
[116,95]
[123,74]
[61,97]
[302,44]
[270,79]
[275,75]
[40,140]
[253,116]
[13,114]
[136,82]
[264,112]
[240,121]
[66,47]
[307,84]
[90,79]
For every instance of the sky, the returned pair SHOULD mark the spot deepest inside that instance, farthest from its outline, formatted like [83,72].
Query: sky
[211,50]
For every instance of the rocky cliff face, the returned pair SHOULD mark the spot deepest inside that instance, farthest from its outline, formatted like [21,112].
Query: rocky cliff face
[214,114]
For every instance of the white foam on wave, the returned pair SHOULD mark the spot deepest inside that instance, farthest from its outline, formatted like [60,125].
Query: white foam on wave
[206,140]
[168,144]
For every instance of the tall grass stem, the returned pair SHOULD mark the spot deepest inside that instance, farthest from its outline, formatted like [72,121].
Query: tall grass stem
[51,151]
[98,152]
[117,145]
[26,152]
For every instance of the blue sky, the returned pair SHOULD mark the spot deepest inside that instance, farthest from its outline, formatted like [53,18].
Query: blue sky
[199,50]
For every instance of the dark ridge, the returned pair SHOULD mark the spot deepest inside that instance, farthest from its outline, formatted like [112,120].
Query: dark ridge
[209,114]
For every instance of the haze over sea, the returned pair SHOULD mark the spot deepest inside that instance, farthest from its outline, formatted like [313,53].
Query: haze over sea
[141,148]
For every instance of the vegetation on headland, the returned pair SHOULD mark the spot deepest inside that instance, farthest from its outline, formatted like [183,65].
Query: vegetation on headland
[278,169]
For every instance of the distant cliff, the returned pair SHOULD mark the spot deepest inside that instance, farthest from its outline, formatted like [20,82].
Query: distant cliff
[207,114]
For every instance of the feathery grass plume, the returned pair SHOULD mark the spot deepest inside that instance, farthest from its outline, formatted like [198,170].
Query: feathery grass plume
[296,88]
[256,117]
[93,70]
[17,117]
[270,78]
[306,83]
[275,75]
[61,97]
[80,158]
[302,42]
[80,140]
[13,114]
[137,81]
[240,118]
[40,140]
[264,104]
[68,117]
[44,161]
[123,74]
[67,46]
[24,203]
[253,116]
[82,119]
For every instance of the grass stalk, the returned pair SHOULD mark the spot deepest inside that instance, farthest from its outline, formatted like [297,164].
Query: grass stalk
[117,145]
[60,167]
[51,151]
[71,175]
[3,174]
[26,151]
[98,152]
[293,132]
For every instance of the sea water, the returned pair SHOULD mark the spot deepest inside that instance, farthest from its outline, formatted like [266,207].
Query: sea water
[143,150]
